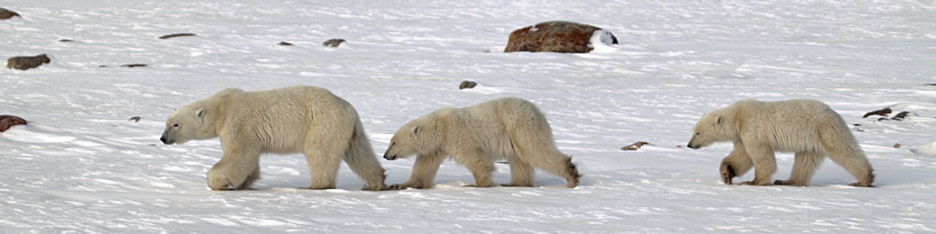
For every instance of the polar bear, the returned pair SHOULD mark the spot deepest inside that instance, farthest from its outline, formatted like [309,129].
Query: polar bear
[291,119]
[474,136]
[809,128]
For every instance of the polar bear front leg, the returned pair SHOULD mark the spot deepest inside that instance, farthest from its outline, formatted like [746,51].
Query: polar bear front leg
[424,172]
[735,164]
[765,163]
[480,166]
[234,168]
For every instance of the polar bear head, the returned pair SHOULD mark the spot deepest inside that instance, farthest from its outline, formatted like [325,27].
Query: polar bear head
[188,123]
[419,136]
[715,126]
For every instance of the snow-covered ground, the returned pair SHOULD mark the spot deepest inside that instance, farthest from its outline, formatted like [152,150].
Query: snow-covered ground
[80,165]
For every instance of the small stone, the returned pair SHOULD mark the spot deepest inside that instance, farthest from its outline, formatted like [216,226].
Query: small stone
[6,14]
[467,85]
[881,112]
[333,42]
[167,36]
[27,62]
[901,115]
[7,121]
[635,145]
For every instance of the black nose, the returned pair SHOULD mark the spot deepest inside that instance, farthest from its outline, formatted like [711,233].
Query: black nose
[389,157]
[163,139]
[693,146]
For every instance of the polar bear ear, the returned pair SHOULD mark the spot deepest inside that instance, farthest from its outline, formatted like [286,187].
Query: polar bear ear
[718,121]
[200,114]
[416,130]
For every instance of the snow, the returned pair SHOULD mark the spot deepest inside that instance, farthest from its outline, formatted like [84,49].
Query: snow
[81,165]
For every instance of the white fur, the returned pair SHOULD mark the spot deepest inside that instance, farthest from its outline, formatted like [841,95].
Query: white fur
[291,119]
[474,136]
[809,128]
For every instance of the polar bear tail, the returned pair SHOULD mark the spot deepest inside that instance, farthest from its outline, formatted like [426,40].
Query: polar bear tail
[361,159]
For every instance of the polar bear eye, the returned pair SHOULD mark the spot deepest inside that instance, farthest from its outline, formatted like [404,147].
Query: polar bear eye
[175,125]
[392,143]
[698,133]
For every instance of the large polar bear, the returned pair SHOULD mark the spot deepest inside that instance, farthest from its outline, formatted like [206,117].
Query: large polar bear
[291,119]
[809,128]
[474,136]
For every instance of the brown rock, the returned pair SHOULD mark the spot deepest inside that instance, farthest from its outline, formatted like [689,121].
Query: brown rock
[27,62]
[333,42]
[554,36]
[7,121]
[467,85]
[901,115]
[881,112]
[6,14]
[167,36]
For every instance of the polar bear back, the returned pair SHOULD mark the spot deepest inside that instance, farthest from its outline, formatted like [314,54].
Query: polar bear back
[279,119]
[791,125]
[495,123]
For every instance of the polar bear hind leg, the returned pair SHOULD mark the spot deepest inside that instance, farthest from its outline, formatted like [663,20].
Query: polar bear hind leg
[521,173]
[804,166]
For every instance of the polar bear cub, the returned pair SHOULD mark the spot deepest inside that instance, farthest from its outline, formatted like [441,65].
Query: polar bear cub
[291,119]
[474,136]
[809,128]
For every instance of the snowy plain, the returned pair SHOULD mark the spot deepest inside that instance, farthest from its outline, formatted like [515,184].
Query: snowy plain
[82,166]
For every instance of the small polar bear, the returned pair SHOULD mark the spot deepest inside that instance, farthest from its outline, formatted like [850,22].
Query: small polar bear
[474,136]
[291,119]
[809,128]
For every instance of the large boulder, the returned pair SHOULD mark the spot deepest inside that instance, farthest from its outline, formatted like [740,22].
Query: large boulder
[558,36]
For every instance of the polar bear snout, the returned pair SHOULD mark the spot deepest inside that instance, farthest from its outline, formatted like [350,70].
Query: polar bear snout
[390,157]
[166,140]
[690,145]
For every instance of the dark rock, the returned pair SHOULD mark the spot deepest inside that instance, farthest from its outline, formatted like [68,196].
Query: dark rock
[134,65]
[333,42]
[901,115]
[283,43]
[167,36]
[135,119]
[467,85]
[27,62]
[6,14]
[66,40]
[7,121]
[881,112]
[635,146]
[554,36]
